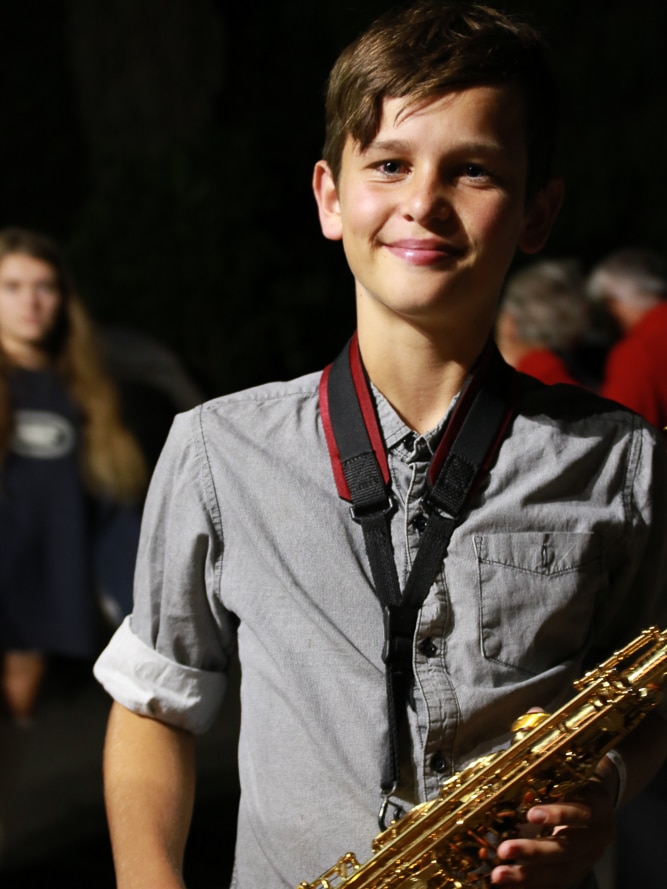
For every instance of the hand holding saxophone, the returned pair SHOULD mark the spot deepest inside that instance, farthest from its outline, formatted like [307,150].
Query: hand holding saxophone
[560,843]
[571,837]
[555,778]
[575,833]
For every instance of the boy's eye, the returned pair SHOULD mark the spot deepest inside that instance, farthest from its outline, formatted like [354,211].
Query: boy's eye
[475,171]
[390,168]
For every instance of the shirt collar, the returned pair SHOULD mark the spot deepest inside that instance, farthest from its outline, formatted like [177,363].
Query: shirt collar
[399,437]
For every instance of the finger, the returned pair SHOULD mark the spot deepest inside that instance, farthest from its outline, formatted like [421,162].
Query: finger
[507,875]
[533,878]
[522,851]
[541,864]
[572,814]
[557,860]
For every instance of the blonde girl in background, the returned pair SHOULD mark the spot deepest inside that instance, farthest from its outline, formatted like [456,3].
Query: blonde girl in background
[68,468]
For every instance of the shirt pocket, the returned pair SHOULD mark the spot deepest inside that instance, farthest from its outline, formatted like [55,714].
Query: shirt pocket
[537,595]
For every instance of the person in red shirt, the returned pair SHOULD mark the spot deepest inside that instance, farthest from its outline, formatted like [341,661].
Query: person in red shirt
[544,313]
[632,284]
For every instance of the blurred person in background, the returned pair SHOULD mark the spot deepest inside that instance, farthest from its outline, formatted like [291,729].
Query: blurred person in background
[543,319]
[632,285]
[71,474]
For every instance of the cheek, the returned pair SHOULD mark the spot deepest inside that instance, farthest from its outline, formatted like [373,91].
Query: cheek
[363,216]
[50,308]
[5,310]
[498,225]
[361,223]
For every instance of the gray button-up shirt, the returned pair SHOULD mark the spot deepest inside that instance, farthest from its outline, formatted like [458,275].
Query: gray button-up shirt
[560,559]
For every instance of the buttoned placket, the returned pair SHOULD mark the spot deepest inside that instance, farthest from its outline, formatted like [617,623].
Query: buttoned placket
[432,718]
[435,709]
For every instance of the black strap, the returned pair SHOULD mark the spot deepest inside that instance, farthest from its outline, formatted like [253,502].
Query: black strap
[360,467]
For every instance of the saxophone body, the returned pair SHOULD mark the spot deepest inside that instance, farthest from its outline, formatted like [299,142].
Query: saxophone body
[448,842]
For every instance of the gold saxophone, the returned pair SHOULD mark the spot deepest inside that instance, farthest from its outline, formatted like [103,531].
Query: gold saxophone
[442,843]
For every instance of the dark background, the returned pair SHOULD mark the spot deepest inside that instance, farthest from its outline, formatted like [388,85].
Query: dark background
[168,145]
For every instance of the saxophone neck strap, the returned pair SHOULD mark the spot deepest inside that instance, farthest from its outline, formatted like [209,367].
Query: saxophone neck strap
[360,468]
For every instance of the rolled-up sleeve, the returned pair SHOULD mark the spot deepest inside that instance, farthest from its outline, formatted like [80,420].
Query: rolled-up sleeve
[168,659]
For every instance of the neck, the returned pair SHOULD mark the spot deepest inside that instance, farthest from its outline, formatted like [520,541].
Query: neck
[25,355]
[635,311]
[417,372]
[515,350]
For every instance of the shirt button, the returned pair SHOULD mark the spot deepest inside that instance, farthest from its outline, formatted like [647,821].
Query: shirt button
[420,521]
[438,763]
[428,648]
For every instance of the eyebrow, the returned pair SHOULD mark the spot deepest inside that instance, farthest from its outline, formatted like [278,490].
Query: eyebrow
[390,145]
[400,145]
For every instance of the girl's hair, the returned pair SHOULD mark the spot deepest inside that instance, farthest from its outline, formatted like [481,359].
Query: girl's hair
[112,463]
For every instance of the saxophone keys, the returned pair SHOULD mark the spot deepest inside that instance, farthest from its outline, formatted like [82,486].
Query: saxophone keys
[527,722]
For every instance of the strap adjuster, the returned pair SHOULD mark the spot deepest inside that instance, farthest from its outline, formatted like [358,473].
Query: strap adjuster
[361,513]
[400,622]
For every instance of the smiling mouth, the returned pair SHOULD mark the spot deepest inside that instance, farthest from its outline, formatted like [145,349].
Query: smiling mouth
[424,251]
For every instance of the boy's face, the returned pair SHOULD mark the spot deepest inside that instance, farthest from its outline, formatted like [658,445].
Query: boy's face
[432,212]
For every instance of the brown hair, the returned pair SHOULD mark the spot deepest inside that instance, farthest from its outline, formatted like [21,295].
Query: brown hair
[432,47]
[112,462]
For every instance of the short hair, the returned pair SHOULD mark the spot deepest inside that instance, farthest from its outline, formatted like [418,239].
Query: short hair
[432,47]
[548,302]
[646,269]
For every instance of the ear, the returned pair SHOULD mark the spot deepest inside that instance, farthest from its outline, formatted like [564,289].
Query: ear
[540,216]
[328,205]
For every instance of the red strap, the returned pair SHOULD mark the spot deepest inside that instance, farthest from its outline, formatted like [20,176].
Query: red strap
[336,465]
[367,408]
[460,412]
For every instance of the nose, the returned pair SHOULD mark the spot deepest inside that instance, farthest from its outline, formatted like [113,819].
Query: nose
[426,198]
[32,296]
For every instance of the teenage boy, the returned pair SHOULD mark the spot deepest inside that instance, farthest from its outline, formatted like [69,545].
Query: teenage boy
[439,134]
